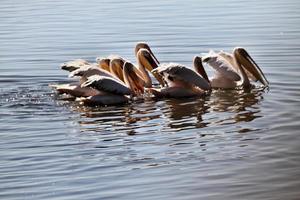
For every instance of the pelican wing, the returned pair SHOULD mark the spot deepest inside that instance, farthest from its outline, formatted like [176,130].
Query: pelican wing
[222,66]
[75,90]
[86,71]
[229,58]
[107,84]
[182,73]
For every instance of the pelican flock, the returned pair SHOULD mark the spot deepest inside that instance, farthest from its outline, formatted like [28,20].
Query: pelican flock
[115,80]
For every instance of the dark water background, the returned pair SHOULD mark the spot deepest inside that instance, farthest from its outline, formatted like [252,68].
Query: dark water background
[229,145]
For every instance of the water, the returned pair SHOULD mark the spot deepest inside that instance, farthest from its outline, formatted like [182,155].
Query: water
[229,145]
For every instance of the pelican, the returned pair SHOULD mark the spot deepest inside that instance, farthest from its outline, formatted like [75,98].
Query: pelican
[74,89]
[180,81]
[83,72]
[232,70]
[83,69]
[146,61]
[97,86]
[111,90]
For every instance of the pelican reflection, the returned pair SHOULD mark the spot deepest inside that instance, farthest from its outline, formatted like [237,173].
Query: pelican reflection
[183,113]
[241,105]
[221,107]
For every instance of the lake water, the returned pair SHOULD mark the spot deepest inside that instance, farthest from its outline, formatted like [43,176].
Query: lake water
[228,145]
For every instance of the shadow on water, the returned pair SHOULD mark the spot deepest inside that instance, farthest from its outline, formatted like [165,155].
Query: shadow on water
[236,101]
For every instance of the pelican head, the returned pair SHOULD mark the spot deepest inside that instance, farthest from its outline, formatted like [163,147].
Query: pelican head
[116,67]
[245,60]
[147,60]
[103,63]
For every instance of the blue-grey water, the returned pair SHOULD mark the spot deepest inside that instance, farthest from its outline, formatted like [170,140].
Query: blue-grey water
[228,145]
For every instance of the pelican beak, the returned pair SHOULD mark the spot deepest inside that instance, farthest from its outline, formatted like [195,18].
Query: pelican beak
[250,65]
[116,68]
[132,80]
[103,63]
[199,67]
[147,59]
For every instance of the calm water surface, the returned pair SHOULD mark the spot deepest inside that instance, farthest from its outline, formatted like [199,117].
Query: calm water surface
[229,145]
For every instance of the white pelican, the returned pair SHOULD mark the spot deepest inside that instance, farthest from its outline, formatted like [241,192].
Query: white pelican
[146,61]
[83,72]
[97,86]
[180,81]
[232,70]
[82,68]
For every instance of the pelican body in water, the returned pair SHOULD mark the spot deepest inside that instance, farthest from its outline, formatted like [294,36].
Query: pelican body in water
[82,71]
[180,81]
[232,70]
[97,86]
